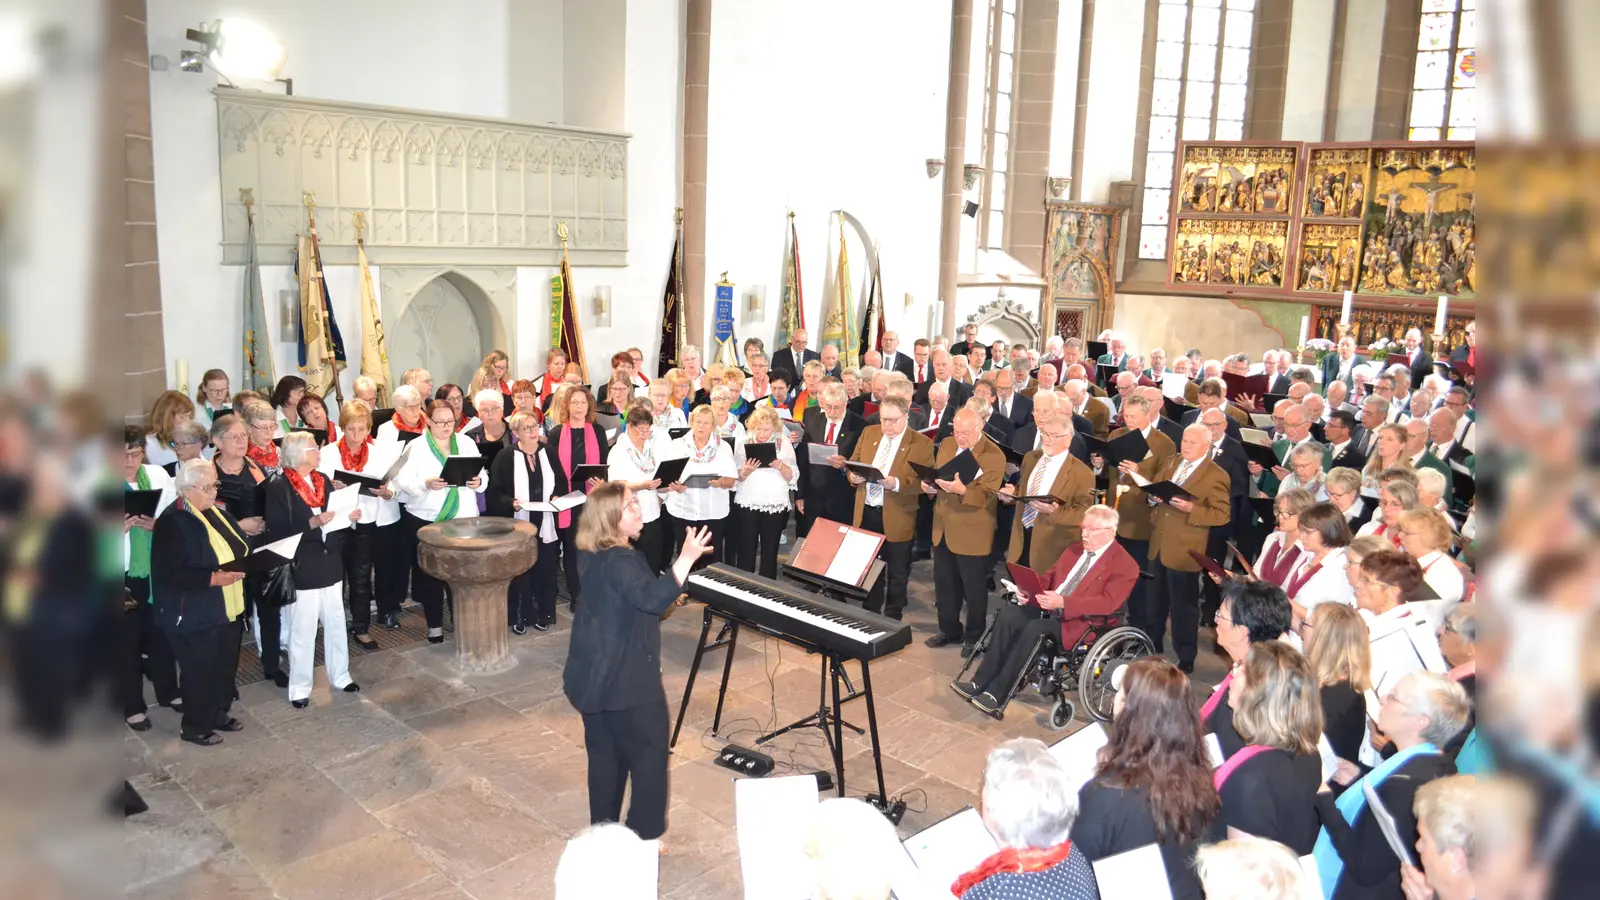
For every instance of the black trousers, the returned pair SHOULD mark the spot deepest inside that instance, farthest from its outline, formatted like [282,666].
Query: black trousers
[755,539]
[1178,594]
[1137,598]
[269,615]
[959,581]
[569,559]
[623,744]
[888,594]
[924,538]
[531,596]
[1012,644]
[204,655]
[718,530]
[1211,593]
[391,566]
[359,544]
[148,654]
[425,589]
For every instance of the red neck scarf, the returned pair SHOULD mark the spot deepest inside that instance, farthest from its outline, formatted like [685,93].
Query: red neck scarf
[264,456]
[462,425]
[1299,581]
[314,492]
[420,427]
[354,460]
[1012,860]
[505,388]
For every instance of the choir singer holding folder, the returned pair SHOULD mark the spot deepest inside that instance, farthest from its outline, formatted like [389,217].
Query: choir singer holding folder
[429,498]
[889,506]
[1181,523]
[1092,577]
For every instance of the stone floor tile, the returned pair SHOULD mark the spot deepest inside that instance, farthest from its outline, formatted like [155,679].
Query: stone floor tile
[328,734]
[395,772]
[416,694]
[467,829]
[172,838]
[467,723]
[139,765]
[722,881]
[437,887]
[228,773]
[224,875]
[531,876]
[696,843]
[295,816]
[363,869]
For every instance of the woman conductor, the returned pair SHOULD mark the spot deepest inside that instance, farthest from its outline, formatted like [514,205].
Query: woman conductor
[613,672]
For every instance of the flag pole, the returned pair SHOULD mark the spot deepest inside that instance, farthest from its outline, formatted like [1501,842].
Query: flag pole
[309,198]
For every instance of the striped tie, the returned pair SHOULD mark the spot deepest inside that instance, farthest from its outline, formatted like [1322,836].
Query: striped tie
[880,462]
[1035,486]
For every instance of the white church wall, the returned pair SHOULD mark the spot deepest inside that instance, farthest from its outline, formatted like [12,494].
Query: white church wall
[1112,121]
[815,107]
[1305,91]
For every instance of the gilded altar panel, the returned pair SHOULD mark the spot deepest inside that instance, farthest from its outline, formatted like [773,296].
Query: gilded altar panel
[1420,223]
[1336,182]
[1230,252]
[1328,258]
[1236,179]
[1080,261]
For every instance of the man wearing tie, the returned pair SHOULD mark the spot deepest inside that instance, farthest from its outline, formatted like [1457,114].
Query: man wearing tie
[1133,510]
[889,507]
[1017,409]
[959,391]
[1212,395]
[1099,416]
[1118,355]
[1092,577]
[1028,437]
[921,367]
[1044,381]
[1417,359]
[793,358]
[824,492]
[1374,414]
[1180,526]
[939,414]
[1042,530]
[893,359]
[1228,454]
[963,533]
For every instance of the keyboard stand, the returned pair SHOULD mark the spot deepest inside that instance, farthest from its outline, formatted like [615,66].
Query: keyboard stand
[728,637]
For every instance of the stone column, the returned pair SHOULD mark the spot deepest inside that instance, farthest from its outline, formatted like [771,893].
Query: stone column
[955,148]
[696,93]
[1027,185]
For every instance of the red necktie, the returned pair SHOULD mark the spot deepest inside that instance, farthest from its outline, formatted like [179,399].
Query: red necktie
[921,376]
[831,426]
[935,422]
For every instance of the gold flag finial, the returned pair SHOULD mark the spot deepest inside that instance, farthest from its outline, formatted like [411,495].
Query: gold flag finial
[678,216]
[309,198]
[724,282]
[791,213]
[247,196]
[359,220]
[561,232]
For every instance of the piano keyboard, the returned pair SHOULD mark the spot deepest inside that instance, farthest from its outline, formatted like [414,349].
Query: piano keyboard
[796,613]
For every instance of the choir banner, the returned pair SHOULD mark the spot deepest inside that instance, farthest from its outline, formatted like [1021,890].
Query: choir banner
[722,329]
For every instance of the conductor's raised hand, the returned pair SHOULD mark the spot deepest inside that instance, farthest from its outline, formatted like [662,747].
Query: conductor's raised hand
[696,543]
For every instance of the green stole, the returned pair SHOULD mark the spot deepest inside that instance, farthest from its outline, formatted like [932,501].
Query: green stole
[452,501]
[138,538]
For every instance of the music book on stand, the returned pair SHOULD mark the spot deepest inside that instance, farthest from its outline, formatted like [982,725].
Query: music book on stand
[266,558]
[458,470]
[838,552]
[141,503]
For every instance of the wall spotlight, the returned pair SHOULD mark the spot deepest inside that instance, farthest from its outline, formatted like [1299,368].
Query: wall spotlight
[236,48]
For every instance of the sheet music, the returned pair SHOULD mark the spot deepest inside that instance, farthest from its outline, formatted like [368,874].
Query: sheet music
[340,503]
[1137,874]
[1172,385]
[856,552]
[951,847]
[1079,752]
[1409,646]
[1391,833]
[783,413]
[1255,436]
[821,453]
[1308,869]
[1214,750]
[772,815]
[563,502]
[285,548]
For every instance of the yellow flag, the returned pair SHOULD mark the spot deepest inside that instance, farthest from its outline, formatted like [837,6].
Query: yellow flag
[839,325]
[314,364]
[374,350]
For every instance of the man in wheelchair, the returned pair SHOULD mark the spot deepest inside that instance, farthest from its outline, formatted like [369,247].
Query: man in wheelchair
[1092,578]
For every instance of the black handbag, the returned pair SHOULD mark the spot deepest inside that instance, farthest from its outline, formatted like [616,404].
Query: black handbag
[277,587]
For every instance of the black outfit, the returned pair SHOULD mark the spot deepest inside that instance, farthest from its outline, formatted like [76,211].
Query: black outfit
[55,648]
[564,485]
[888,593]
[1021,411]
[784,360]
[319,559]
[959,580]
[825,490]
[613,678]
[755,539]
[238,492]
[193,613]
[1271,795]
[1173,593]
[1344,719]
[361,544]
[149,655]
[1230,429]
[1230,457]
[1371,869]
[902,363]
[960,391]
[1012,645]
[1113,820]
[531,596]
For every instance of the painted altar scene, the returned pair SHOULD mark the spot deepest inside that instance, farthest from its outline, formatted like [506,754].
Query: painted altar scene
[1230,252]
[1336,183]
[1420,224]
[1079,247]
[1238,180]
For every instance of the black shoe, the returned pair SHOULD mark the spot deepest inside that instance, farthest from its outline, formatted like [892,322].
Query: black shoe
[939,640]
[231,725]
[986,703]
[1186,668]
[966,689]
[389,620]
[300,704]
[279,678]
[967,650]
[204,740]
[435,638]
[141,726]
[365,642]
[352,688]
[519,628]
[542,626]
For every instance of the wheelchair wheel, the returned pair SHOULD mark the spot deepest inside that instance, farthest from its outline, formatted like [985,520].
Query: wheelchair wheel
[1060,715]
[1115,649]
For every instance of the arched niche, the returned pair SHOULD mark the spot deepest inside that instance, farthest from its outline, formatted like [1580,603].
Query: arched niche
[1001,319]
[438,317]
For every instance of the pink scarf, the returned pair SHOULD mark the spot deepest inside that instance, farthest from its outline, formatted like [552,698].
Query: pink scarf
[591,455]
[1213,701]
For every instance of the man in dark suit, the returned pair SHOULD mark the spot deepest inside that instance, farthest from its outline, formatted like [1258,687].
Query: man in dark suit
[1092,578]
[830,361]
[1276,367]
[871,393]
[1228,454]
[997,427]
[1027,437]
[1117,354]
[824,491]
[893,359]
[940,412]
[1008,402]
[1416,358]
[921,365]
[1468,352]
[959,391]
[969,339]
[1344,442]
[1340,365]
[1157,403]
[1210,396]
[793,358]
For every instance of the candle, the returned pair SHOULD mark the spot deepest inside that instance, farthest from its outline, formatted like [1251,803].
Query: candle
[1438,318]
[1344,312]
[1305,326]
[181,370]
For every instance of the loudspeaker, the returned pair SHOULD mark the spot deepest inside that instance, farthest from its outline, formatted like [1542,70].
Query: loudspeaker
[971,209]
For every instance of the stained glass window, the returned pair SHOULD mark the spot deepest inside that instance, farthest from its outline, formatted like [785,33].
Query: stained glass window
[1447,66]
[1202,71]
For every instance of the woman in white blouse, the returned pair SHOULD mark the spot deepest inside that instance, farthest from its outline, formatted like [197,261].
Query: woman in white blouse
[408,417]
[703,507]
[1320,576]
[662,410]
[639,450]
[429,499]
[372,547]
[517,478]
[1425,535]
[722,421]
[1394,498]
[761,503]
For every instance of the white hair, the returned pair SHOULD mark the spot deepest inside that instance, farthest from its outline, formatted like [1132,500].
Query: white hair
[1252,868]
[1431,482]
[406,396]
[488,395]
[1203,430]
[296,444]
[1106,515]
[1055,342]
[979,406]
[190,472]
[596,864]
[1028,798]
[1438,697]
[363,383]
[851,847]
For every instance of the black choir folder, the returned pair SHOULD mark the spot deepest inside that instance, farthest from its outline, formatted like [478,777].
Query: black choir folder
[582,474]
[369,485]
[766,453]
[1130,446]
[865,471]
[963,464]
[670,470]
[458,470]
[141,503]
[1166,490]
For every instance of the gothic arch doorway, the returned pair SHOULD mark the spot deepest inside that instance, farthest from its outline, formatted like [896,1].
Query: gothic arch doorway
[447,320]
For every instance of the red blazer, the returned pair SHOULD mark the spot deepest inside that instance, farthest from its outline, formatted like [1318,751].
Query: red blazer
[1101,592]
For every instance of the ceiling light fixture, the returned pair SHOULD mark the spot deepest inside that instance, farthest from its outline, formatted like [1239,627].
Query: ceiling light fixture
[236,48]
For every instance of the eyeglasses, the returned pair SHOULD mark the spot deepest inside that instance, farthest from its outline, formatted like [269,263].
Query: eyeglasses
[443,424]
[207,488]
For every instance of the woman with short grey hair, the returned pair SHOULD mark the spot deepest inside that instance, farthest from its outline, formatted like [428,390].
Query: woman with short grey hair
[188,442]
[1029,805]
[409,420]
[297,504]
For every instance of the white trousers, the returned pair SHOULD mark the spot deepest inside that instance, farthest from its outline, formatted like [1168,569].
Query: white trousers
[325,606]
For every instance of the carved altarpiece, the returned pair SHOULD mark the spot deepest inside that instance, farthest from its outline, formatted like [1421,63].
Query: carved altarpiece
[1081,241]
